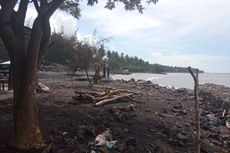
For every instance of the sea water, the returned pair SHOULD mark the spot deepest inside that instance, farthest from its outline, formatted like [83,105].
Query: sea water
[178,80]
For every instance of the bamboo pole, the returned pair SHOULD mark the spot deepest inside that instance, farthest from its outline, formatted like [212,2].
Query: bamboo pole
[197,111]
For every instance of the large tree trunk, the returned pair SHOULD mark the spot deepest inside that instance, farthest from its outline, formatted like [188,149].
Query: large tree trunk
[27,132]
[24,68]
[24,59]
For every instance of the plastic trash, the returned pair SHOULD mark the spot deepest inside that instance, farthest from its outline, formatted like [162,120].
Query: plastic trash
[42,87]
[213,120]
[228,122]
[111,144]
[105,139]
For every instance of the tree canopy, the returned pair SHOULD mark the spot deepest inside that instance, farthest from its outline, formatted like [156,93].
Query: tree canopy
[70,51]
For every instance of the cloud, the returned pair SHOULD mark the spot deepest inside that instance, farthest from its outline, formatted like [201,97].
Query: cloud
[209,63]
[181,32]
[118,22]
[59,21]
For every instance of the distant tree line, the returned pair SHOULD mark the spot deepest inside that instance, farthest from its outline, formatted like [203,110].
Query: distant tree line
[120,62]
[61,52]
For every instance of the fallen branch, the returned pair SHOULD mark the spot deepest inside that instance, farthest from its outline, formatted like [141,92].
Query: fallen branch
[134,100]
[223,114]
[90,97]
[87,92]
[102,102]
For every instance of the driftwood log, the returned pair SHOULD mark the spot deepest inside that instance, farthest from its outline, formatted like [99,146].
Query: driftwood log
[102,102]
[103,97]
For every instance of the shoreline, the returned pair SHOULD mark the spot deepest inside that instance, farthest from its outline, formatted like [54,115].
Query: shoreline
[178,80]
[154,118]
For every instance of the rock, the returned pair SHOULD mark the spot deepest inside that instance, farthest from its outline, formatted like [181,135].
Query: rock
[147,110]
[181,143]
[213,136]
[131,141]
[103,150]
[120,147]
[182,90]
[171,131]
[216,142]
[132,106]
[62,151]
[224,136]
[181,137]
[179,112]
[148,82]
[159,149]
[131,148]
[85,132]
[132,80]
[152,130]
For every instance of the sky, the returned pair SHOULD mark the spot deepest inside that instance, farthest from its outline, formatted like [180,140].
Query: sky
[175,33]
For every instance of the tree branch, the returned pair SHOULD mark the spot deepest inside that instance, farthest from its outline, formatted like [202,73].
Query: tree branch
[54,5]
[7,8]
[36,6]
[7,28]
[191,72]
[21,13]
[44,41]
[43,2]
[34,43]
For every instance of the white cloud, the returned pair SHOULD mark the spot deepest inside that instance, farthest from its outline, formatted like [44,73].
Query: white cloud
[119,22]
[201,61]
[177,30]
[59,21]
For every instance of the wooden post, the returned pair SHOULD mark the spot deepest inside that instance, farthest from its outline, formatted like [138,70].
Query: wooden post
[10,79]
[108,72]
[104,70]
[197,111]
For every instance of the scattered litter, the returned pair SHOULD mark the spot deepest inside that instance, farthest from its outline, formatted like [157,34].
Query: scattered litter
[105,139]
[228,122]
[43,88]
[64,133]
[213,120]
[92,151]
[111,144]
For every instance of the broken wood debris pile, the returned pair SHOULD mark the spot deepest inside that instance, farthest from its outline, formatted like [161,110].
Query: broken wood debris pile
[101,97]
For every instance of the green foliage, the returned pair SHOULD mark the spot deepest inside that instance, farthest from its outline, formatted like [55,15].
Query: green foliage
[77,54]
[87,52]
[68,50]
[119,63]
[58,52]
[129,4]
[71,7]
